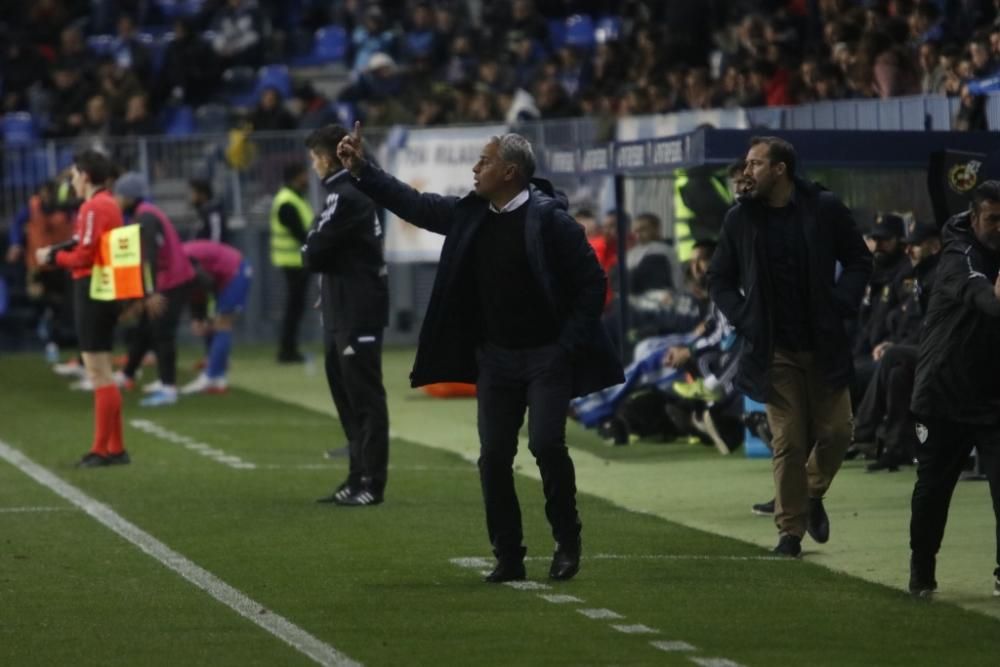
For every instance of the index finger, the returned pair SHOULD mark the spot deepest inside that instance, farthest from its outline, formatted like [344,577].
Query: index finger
[357,130]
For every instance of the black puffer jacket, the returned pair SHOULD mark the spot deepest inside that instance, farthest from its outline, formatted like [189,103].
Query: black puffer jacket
[958,372]
[741,285]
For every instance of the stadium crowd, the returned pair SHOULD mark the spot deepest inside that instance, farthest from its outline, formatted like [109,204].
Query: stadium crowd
[118,68]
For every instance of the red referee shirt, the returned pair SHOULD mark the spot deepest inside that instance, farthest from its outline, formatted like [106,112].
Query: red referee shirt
[97,215]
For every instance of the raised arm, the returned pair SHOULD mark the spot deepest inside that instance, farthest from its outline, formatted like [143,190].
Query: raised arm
[430,211]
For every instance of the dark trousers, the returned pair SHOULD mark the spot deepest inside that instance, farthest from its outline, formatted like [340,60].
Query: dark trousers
[884,413]
[296,286]
[538,380]
[940,459]
[354,373]
[160,335]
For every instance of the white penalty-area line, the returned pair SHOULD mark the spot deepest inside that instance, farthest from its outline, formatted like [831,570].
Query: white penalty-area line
[319,651]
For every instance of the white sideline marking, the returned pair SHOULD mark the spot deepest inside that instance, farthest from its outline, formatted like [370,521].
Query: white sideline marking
[598,614]
[18,510]
[670,647]
[560,599]
[277,625]
[637,629]
[471,563]
[714,662]
[668,557]
[527,585]
[205,450]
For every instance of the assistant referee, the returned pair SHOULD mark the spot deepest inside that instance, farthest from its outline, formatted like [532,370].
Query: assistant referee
[95,320]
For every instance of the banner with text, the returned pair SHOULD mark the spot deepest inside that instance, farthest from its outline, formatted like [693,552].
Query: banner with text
[433,160]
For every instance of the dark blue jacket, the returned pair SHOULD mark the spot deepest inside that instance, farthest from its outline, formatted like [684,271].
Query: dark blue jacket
[562,261]
[740,283]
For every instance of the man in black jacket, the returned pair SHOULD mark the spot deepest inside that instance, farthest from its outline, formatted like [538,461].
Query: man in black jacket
[516,308]
[956,397]
[774,276]
[345,248]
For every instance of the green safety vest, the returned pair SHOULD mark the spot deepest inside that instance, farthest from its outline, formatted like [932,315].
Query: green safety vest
[286,251]
[683,239]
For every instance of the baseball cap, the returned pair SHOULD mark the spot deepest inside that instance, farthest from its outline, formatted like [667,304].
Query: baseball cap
[887,226]
[132,185]
[918,232]
[380,60]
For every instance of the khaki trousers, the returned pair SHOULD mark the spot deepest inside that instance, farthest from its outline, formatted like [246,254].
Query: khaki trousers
[812,425]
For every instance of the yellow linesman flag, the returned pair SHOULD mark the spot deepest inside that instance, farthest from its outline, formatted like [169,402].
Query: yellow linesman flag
[118,270]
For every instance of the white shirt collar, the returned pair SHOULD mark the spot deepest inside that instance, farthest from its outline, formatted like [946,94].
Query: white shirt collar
[517,202]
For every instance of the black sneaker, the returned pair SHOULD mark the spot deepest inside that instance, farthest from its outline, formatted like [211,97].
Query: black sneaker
[119,459]
[788,545]
[361,498]
[818,525]
[342,492]
[565,562]
[763,509]
[922,581]
[92,460]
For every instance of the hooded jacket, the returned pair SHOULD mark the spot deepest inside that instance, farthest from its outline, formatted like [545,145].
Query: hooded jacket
[958,368]
[741,285]
[561,259]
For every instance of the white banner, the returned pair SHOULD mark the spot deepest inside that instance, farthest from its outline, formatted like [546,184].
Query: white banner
[432,160]
[668,125]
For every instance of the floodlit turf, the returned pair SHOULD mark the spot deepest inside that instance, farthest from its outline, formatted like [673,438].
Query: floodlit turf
[379,584]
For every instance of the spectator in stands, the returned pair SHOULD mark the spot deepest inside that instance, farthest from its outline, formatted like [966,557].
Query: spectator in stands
[380,79]
[270,115]
[932,74]
[420,39]
[210,211]
[552,100]
[67,100]
[97,121]
[371,37]
[983,63]
[798,357]
[956,393]
[73,48]
[137,121]
[463,62]
[238,35]
[525,59]
[971,114]
[128,52]
[117,86]
[190,69]
[648,261]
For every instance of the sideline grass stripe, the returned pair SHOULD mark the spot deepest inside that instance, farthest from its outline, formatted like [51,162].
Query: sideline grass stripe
[277,625]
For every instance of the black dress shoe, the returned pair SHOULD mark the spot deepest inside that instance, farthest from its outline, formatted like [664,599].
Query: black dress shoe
[818,525]
[565,563]
[506,570]
[92,460]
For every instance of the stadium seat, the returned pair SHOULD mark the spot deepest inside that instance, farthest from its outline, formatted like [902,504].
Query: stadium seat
[19,129]
[557,33]
[101,45]
[178,121]
[609,29]
[580,31]
[277,77]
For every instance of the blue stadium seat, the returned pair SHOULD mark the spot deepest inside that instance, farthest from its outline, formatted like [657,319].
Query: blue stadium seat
[609,29]
[331,44]
[277,77]
[19,129]
[178,121]
[557,33]
[580,31]
[101,45]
